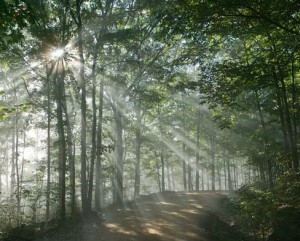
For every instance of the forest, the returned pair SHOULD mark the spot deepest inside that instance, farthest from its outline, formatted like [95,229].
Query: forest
[105,101]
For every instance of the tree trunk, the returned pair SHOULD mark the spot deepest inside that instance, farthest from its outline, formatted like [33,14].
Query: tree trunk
[158,173]
[295,116]
[71,158]
[219,175]
[48,144]
[266,142]
[162,161]
[190,183]
[198,153]
[184,167]
[281,115]
[94,129]
[82,85]
[225,175]
[13,162]
[290,132]
[98,204]
[230,186]
[59,92]
[169,176]
[18,187]
[284,108]
[234,173]
[213,172]
[138,140]
[119,158]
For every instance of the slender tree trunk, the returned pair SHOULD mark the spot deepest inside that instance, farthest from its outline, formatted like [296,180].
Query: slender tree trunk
[219,175]
[48,145]
[22,164]
[138,140]
[59,88]
[99,152]
[162,149]
[208,179]
[281,115]
[190,183]
[119,157]
[198,152]
[94,128]
[184,167]
[13,162]
[71,158]
[284,108]
[169,176]
[234,173]
[230,186]
[295,116]
[18,194]
[213,171]
[116,107]
[291,141]
[173,178]
[162,160]
[158,173]
[82,85]
[266,141]
[225,175]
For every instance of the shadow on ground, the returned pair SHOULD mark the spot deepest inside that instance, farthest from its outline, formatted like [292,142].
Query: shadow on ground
[168,216]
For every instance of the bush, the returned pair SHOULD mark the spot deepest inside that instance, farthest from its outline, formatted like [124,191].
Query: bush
[20,233]
[271,214]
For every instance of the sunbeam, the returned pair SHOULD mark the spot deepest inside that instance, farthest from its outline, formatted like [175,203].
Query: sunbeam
[58,54]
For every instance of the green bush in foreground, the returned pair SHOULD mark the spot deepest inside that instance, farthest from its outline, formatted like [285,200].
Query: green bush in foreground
[271,214]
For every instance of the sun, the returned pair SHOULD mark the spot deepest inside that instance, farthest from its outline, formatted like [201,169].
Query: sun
[57,54]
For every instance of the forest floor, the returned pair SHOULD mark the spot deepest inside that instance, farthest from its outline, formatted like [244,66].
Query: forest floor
[168,216]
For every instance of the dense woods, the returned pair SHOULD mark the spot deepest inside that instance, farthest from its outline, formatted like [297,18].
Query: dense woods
[103,101]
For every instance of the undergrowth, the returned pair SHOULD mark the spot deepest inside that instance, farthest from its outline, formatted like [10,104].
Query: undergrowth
[270,214]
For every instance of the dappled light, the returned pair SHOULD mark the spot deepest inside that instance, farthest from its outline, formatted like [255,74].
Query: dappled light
[166,216]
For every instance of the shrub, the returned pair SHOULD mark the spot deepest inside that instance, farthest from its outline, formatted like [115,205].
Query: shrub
[271,214]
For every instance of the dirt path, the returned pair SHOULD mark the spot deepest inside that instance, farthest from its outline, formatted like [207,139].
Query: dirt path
[171,216]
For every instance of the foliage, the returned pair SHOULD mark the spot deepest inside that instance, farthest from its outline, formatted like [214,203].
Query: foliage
[15,16]
[271,214]
[21,233]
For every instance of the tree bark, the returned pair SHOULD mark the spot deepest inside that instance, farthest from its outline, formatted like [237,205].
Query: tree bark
[13,162]
[82,85]
[94,129]
[59,92]
[119,158]
[158,173]
[266,142]
[184,167]
[197,153]
[138,140]
[98,204]
[229,179]
[48,144]
[18,187]
[295,116]
[213,171]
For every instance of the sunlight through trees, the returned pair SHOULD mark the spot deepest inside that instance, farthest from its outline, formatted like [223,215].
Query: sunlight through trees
[102,102]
